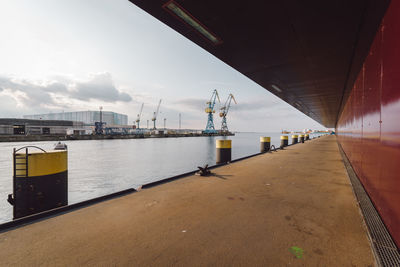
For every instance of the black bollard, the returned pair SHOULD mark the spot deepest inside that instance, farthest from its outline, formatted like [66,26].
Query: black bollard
[284,141]
[40,181]
[265,144]
[294,139]
[224,151]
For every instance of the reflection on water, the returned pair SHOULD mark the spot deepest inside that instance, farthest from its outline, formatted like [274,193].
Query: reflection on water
[100,167]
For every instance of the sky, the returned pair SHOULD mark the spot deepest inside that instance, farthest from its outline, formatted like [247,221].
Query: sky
[75,55]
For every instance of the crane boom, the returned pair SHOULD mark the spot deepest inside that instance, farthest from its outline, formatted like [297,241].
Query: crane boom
[155,114]
[210,110]
[139,116]
[224,111]
[214,95]
[141,109]
[158,108]
[230,97]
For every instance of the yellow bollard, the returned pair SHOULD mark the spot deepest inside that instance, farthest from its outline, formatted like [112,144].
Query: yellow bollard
[294,139]
[40,181]
[284,141]
[265,144]
[224,151]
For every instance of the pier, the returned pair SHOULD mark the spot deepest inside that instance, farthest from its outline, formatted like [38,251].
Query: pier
[38,138]
[292,207]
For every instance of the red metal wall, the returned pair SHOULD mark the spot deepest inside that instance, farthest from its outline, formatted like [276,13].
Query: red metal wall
[369,127]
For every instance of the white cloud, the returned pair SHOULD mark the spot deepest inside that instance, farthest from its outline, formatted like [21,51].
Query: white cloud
[99,87]
[50,95]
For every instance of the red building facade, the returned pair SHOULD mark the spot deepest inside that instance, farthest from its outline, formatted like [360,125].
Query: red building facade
[369,126]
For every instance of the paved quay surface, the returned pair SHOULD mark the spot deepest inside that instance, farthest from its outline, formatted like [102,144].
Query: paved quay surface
[262,211]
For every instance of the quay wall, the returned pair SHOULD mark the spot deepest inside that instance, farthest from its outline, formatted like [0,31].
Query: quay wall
[35,138]
[368,128]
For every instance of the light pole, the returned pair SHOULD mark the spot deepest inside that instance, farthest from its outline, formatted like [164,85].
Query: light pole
[101,116]
[180,121]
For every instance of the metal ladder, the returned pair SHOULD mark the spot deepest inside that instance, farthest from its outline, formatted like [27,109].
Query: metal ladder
[20,171]
[21,164]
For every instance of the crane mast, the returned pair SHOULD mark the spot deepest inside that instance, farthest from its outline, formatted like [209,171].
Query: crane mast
[155,114]
[224,111]
[138,116]
[210,111]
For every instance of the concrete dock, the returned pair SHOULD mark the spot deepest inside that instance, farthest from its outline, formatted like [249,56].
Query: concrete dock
[293,207]
[55,137]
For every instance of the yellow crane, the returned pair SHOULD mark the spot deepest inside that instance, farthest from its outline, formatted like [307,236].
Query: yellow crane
[210,110]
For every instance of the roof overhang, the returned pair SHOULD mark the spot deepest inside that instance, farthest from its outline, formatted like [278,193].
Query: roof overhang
[308,53]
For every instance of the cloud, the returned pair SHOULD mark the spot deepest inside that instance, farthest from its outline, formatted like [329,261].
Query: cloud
[192,103]
[100,87]
[56,87]
[245,106]
[55,94]
[254,105]
[7,107]
[27,92]
[245,112]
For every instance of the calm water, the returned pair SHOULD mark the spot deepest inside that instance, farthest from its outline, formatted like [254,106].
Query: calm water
[100,167]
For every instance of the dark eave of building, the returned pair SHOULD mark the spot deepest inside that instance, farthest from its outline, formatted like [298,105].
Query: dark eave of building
[308,53]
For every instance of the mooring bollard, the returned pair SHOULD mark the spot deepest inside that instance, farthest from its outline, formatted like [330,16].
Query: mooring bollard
[294,139]
[40,180]
[284,141]
[301,138]
[265,144]
[224,151]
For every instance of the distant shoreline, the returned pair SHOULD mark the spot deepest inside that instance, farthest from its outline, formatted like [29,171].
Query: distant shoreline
[38,138]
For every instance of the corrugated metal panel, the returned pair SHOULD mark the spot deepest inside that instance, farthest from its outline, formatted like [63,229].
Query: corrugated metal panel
[376,157]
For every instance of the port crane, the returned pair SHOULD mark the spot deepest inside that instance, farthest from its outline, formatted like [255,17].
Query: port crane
[210,111]
[138,116]
[99,125]
[224,111]
[155,114]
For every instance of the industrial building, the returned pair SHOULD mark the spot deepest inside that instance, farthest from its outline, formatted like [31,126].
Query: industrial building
[12,126]
[87,117]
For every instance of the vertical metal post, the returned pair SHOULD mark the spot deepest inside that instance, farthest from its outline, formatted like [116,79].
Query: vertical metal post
[26,162]
[15,172]
[14,183]
[101,116]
